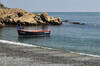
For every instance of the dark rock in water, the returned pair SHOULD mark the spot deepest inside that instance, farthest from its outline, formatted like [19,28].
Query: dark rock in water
[83,24]
[78,23]
[75,22]
[65,21]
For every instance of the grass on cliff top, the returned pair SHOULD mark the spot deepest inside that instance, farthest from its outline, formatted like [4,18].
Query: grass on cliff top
[36,13]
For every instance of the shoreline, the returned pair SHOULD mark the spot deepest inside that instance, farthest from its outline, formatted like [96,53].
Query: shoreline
[30,45]
[24,54]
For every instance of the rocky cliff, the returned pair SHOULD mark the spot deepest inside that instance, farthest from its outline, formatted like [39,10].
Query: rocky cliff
[12,16]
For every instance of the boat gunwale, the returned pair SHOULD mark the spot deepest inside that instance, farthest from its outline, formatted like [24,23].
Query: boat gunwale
[34,30]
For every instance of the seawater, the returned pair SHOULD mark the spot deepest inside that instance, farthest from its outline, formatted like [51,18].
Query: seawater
[72,37]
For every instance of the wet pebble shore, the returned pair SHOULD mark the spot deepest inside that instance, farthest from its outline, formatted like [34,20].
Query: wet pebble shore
[17,55]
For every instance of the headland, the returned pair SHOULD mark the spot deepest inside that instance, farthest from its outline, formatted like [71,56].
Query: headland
[13,16]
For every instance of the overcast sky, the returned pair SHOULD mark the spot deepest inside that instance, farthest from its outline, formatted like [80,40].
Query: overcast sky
[55,5]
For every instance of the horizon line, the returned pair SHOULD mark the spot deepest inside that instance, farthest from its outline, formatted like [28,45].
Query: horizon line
[66,11]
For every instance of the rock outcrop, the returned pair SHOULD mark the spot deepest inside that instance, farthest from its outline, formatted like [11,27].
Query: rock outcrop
[2,6]
[50,19]
[2,25]
[11,16]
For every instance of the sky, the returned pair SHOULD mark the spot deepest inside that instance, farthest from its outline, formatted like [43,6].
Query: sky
[55,5]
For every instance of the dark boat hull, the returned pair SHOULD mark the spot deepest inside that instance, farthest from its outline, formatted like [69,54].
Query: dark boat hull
[23,33]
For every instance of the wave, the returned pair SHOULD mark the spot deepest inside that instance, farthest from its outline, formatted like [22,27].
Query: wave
[85,54]
[30,45]
[21,44]
[17,43]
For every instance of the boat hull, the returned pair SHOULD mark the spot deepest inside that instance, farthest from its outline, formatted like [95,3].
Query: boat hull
[23,33]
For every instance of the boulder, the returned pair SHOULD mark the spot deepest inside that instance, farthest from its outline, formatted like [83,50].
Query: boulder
[2,25]
[20,14]
[27,20]
[75,22]
[39,20]
[43,16]
[50,19]
[59,20]
[65,21]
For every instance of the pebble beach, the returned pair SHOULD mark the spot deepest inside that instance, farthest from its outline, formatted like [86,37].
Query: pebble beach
[13,54]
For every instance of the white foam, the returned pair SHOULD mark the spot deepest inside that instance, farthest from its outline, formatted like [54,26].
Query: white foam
[46,48]
[22,44]
[18,43]
[86,54]
[30,45]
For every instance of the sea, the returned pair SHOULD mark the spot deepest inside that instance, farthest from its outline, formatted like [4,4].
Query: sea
[68,37]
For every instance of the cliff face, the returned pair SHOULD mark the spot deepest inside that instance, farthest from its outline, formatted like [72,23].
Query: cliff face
[12,16]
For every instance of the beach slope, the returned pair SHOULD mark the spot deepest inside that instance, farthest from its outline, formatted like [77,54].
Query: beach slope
[19,54]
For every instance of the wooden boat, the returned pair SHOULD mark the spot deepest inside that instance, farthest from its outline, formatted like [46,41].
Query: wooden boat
[28,33]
